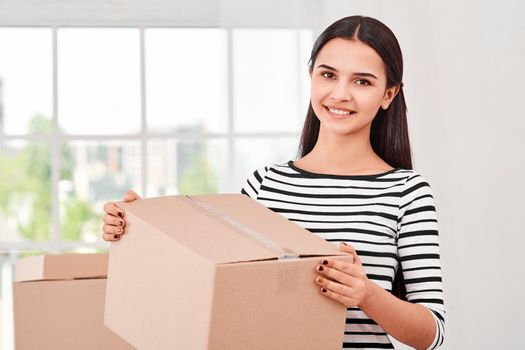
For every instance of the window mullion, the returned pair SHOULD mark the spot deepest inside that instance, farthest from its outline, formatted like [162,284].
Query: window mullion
[144,125]
[55,152]
[231,120]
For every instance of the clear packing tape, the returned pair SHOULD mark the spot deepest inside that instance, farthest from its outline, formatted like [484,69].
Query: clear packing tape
[282,253]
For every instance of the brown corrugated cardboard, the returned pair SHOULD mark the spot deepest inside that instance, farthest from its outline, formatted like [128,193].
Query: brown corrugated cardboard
[219,272]
[59,303]
[61,267]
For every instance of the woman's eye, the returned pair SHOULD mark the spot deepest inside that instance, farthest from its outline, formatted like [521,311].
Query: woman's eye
[363,82]
[327,75]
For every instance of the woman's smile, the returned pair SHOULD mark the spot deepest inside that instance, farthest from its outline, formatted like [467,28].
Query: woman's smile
[339,113]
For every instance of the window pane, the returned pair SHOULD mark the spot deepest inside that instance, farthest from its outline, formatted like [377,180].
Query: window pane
[99,80]
[26,83]
[269,83]
[252,154]
[25,191]
[187,167]
[186,80]
[92,174]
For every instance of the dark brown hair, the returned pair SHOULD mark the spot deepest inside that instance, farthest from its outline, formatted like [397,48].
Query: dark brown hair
[389,129]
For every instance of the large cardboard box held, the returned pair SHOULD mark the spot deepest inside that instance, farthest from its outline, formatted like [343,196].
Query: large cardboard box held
[58,303]
[219,272]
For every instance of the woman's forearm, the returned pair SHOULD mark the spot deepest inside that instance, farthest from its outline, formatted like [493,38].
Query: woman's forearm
[409,323]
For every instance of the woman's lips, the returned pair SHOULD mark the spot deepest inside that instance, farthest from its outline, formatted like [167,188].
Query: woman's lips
[339,116]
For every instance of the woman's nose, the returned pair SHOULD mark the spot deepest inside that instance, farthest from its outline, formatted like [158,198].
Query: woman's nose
[341,92]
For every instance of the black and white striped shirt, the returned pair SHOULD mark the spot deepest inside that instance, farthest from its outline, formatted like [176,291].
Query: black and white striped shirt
[389,218]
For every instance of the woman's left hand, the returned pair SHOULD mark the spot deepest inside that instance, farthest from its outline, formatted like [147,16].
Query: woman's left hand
[342,281]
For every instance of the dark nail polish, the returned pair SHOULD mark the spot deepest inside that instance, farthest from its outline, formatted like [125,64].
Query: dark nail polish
[320,268]
[120,214]
[120,222]
[344,243]
[115,236]
[323,290]
[325,262]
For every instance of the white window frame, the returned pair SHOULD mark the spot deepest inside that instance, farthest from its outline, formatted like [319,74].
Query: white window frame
[143,14]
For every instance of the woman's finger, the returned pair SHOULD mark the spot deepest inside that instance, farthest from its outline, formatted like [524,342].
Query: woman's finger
[112,230]
[110,237]
[343,266]
[349,249]
[336,275]
[346,301]
[112,220]
[334,286]
[112,209]
[130,196]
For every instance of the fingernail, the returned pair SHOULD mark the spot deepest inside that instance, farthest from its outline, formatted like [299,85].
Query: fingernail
[319,279]
[325,262]
[324,290]
[320,268]
[115,236]
[120,222]
[120,214]
[343,243]
[119,230]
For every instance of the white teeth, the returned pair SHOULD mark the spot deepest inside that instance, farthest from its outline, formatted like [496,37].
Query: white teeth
[337,111]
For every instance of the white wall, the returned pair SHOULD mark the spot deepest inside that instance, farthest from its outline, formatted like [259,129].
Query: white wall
[464,78]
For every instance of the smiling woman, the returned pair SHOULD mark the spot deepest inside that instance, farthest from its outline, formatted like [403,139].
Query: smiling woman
[354,186]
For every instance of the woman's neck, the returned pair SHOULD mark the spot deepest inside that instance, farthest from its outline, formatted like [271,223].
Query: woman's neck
[343,154]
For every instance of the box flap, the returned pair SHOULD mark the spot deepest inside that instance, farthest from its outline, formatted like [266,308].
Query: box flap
[61,267]
[212,225]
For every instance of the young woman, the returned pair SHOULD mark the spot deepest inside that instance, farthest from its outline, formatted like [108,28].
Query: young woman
[354,186]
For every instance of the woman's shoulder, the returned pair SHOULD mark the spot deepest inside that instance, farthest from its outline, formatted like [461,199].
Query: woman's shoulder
[255,179]
[413,177]
[261,172]
[416,186]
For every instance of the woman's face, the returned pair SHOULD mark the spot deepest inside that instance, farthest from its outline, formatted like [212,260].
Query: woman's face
[348,86]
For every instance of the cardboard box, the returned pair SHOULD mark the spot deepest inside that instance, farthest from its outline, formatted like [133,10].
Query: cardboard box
[218,272]
[58,303]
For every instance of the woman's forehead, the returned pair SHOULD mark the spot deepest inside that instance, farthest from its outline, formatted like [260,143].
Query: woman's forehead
[350,56]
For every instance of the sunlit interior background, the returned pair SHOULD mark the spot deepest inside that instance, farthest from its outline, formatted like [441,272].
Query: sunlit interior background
[179,97]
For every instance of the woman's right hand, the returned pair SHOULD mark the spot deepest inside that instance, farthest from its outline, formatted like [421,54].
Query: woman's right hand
[114,222]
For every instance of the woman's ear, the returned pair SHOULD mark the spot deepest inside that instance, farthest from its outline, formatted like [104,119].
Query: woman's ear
[310,72]
[389,96]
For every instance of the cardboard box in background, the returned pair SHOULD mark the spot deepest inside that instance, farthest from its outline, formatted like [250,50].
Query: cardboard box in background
[58,303]
[217,272]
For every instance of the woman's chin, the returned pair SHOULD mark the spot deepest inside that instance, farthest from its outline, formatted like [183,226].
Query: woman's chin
[336,128]
[339,131]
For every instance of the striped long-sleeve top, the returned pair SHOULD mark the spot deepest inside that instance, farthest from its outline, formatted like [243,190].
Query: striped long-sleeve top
[389,218]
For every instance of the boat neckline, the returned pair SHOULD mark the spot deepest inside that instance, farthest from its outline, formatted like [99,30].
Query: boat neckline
[363,176]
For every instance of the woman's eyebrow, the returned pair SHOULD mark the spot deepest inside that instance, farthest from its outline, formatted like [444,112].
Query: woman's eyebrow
[370,75]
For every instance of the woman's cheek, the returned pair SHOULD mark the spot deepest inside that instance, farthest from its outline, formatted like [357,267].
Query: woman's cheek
[367,104]
[317,98]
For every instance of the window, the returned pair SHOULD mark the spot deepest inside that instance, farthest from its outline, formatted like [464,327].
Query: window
[86,113]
